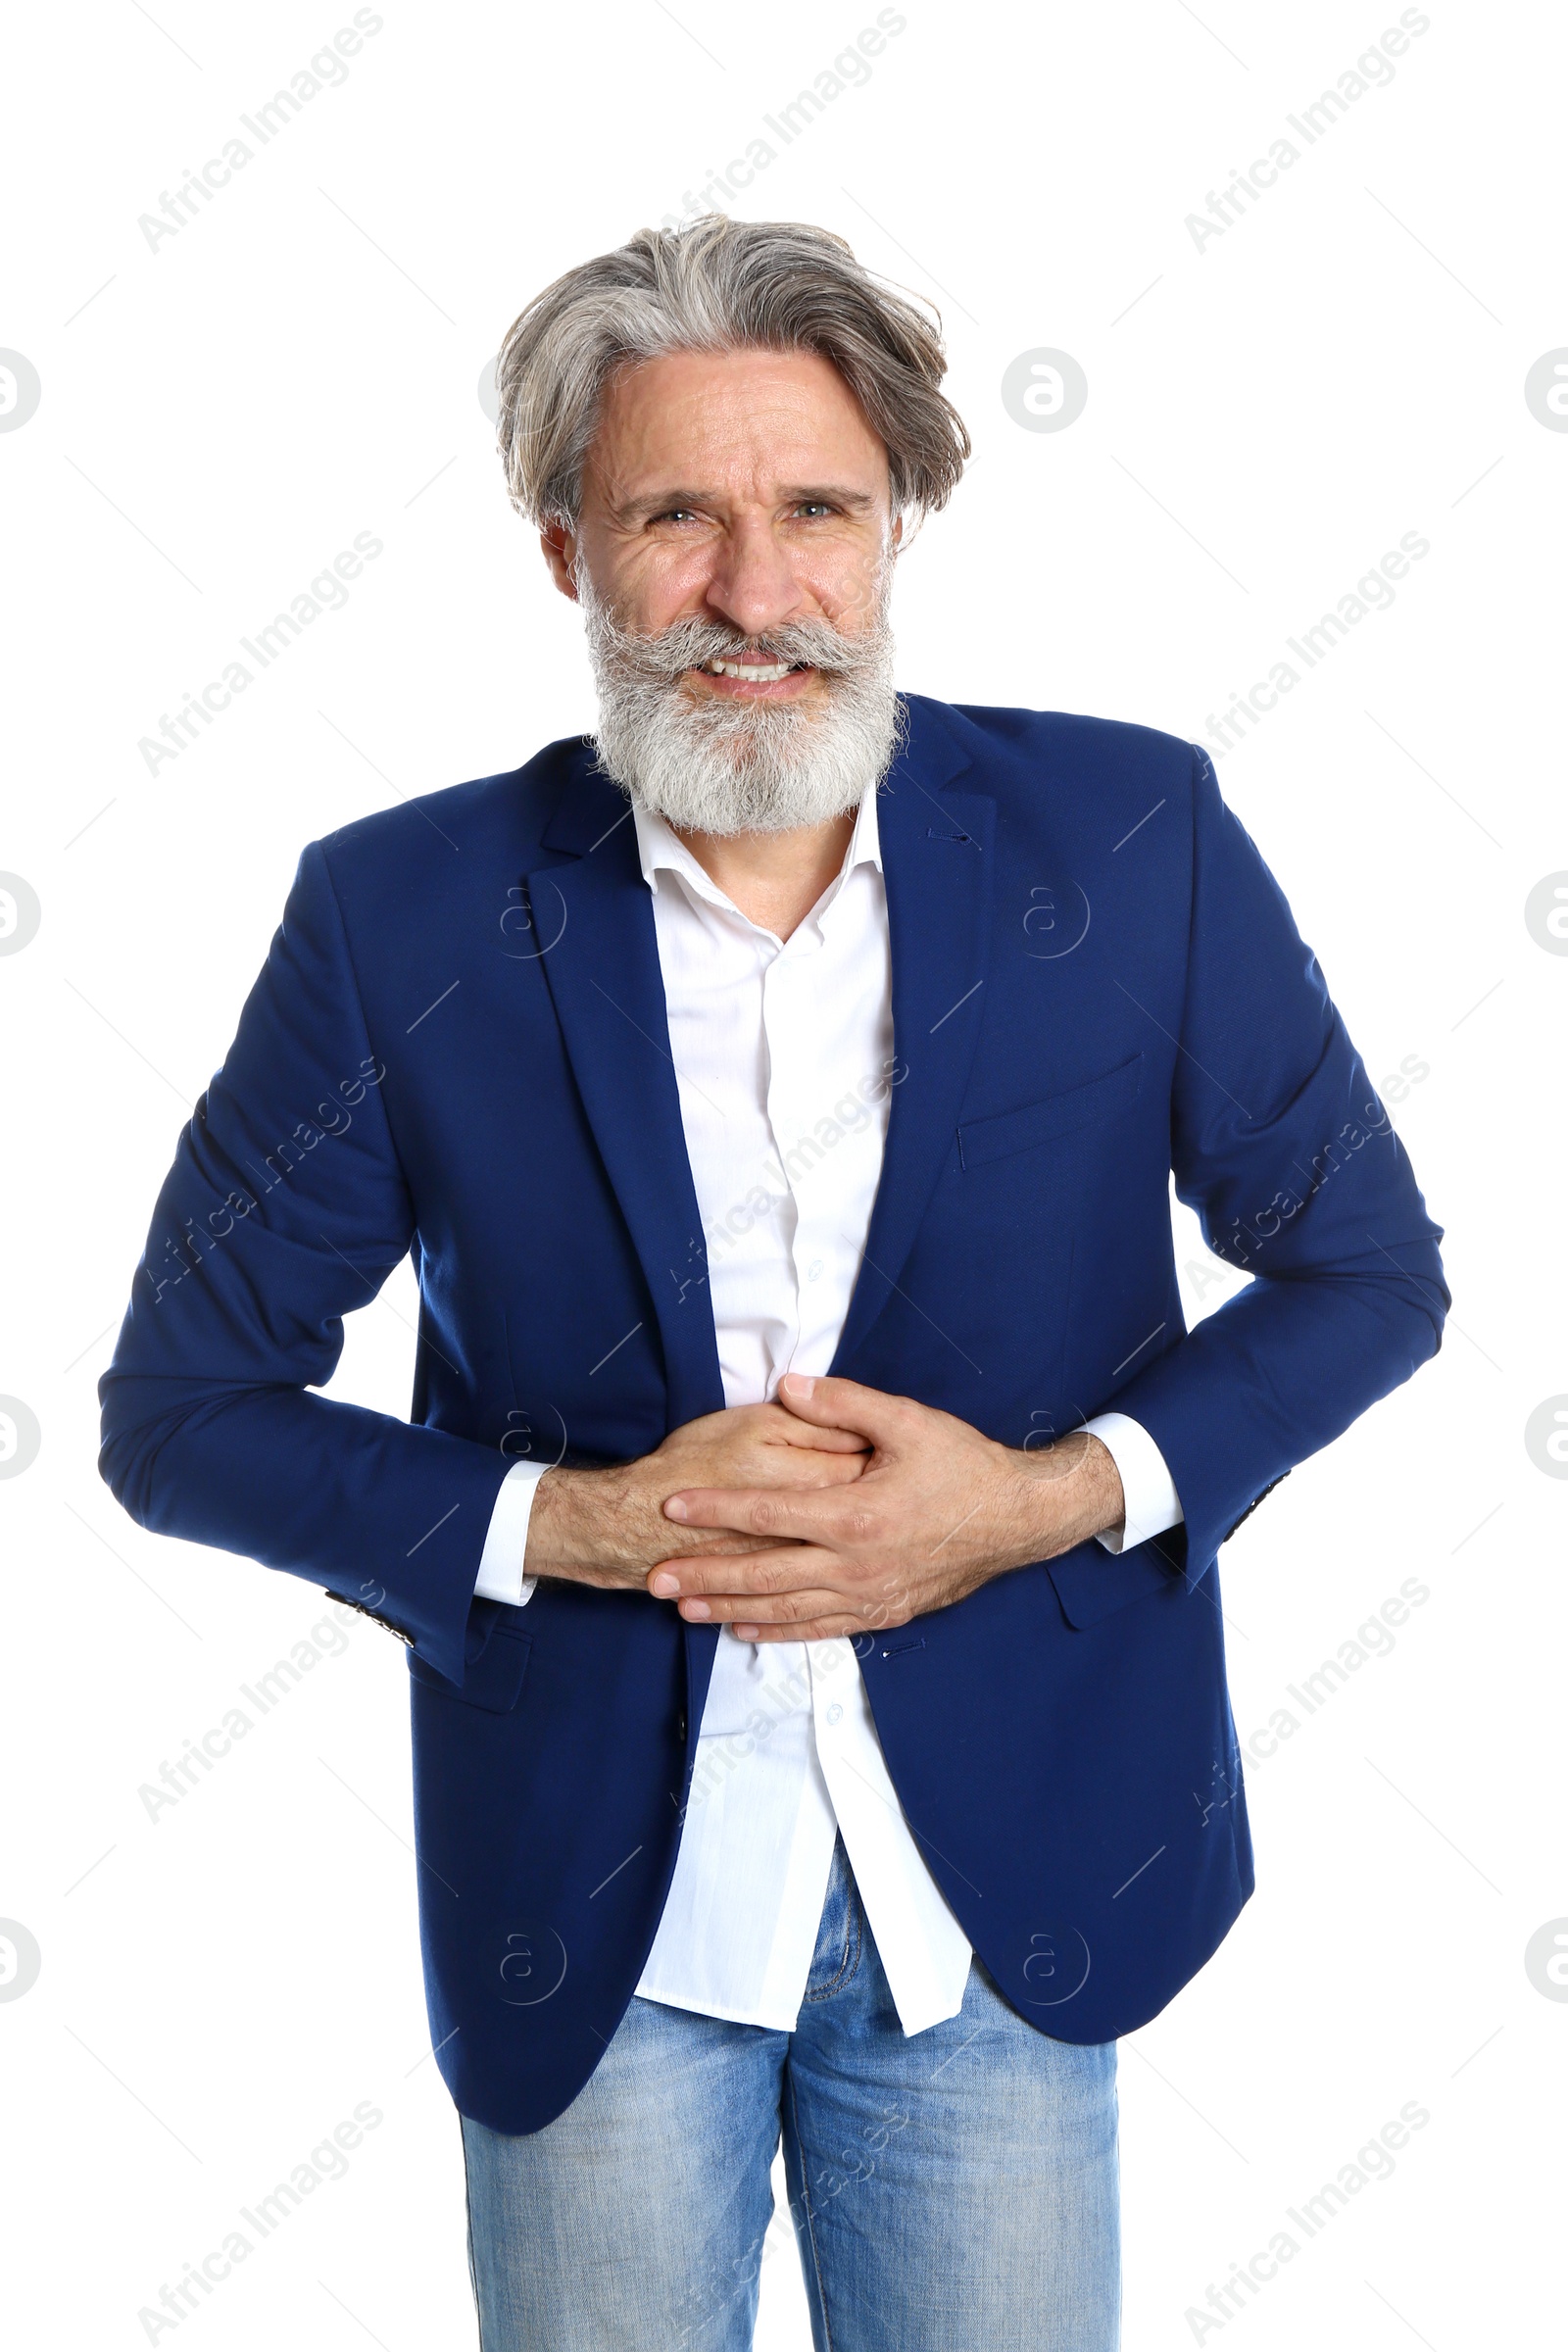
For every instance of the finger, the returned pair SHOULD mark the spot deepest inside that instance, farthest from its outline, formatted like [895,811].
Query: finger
[836,1469]
[824,1628]
[773,1511]
[780,1568]
[817,1437]
[786,1610]
[842,1404]
[803,1466]
[701,1540]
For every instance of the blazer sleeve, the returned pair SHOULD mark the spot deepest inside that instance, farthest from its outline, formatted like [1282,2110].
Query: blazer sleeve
[1281,1146]
[285,1206]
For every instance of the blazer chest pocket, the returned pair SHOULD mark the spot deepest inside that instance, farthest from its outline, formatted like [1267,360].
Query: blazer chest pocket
[493,1681]
[1010,1130]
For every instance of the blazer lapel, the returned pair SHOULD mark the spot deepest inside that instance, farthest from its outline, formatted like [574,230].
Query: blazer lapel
[593,917]
[937,862]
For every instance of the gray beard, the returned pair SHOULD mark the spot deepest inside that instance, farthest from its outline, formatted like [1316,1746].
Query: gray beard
[726,767]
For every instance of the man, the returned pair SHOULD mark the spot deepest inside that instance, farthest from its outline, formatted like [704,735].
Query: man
[804,1533]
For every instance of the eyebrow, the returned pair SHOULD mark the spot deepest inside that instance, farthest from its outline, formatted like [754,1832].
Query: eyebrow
[639,510]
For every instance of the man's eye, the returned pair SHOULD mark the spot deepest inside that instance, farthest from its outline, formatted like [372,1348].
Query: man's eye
[813,505]
[677,515]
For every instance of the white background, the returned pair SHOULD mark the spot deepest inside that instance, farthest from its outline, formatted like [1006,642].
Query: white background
[1266,416]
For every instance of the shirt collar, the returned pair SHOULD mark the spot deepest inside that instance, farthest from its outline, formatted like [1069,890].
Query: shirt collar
[660,849]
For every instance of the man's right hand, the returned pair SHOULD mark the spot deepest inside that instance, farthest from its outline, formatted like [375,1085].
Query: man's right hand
[606,1527]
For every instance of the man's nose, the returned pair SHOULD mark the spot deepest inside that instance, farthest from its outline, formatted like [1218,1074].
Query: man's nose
[753,585]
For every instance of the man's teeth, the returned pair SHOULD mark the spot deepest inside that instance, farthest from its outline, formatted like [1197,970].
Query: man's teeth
[759,673]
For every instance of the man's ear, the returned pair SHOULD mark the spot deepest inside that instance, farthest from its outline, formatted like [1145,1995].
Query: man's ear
[899,540]
[559,548]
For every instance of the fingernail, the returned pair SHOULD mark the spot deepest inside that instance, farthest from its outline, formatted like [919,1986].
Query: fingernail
[664,1587]
[799,1384]
[746,1633]
[674,1509]
[695,1608]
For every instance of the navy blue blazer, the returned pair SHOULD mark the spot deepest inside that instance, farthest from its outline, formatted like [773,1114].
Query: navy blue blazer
[458,1047]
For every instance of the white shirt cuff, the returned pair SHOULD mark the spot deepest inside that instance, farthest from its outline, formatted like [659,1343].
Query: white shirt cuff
[1149,1491]
[501,1576]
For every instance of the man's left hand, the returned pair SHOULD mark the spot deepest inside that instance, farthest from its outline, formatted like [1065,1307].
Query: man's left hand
[938,1511]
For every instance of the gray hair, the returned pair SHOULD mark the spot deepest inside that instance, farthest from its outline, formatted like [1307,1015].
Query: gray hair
[718,284]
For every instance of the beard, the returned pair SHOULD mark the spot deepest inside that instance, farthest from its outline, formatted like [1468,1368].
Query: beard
[719,764]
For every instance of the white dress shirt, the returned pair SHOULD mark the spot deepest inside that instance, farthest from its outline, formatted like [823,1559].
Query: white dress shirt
[784,1058]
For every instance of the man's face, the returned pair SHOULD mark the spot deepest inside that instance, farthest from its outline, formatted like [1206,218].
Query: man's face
[732,555]
[744,487]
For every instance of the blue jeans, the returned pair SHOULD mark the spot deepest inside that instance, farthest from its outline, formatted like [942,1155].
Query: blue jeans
[956,2191]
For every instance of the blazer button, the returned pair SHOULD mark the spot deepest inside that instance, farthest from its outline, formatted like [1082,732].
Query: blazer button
[681,1727]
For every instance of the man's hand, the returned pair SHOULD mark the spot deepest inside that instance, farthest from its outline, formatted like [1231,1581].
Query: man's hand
[937,1511]
[606,1527]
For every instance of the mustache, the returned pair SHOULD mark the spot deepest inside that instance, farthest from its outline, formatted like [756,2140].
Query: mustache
[724,764]
[659,660]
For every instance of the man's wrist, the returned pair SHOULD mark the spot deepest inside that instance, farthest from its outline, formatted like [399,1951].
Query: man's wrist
[569,1526]
[1064,1495]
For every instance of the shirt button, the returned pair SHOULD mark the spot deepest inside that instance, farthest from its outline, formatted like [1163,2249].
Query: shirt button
[814,1269]
[835,1713]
